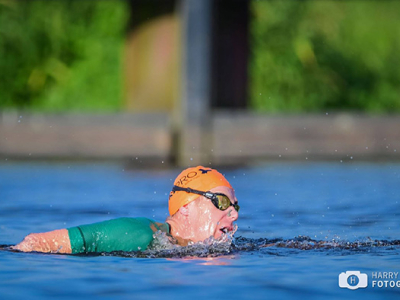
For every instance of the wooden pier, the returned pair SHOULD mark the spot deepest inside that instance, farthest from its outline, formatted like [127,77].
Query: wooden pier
[231,137]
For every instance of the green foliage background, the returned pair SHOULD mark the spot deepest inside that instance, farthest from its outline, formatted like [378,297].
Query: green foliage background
[325,55]
[61,55]
[306,56]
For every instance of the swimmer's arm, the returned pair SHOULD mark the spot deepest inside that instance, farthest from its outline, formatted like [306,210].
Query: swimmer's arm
[56,241]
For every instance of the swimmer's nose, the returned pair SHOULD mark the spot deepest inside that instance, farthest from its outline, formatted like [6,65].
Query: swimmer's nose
[234,215]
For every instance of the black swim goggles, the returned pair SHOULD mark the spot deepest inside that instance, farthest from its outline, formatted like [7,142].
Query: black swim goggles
[220,201]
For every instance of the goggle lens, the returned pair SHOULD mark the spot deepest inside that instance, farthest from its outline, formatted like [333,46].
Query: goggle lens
[224,203]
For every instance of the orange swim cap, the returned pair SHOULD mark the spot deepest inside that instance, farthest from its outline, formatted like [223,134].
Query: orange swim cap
[198,178]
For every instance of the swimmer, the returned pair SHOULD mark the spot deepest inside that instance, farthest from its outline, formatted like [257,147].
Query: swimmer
[202,204]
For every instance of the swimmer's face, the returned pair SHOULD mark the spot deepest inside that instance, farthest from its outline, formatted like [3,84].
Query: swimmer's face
[206,220]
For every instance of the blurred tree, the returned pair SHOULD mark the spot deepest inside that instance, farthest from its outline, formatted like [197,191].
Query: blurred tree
[57,55]
[325,55]
[306,56]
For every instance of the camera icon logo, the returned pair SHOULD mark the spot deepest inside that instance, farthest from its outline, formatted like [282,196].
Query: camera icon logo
[353,280]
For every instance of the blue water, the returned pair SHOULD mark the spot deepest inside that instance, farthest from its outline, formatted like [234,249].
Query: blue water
[349,202]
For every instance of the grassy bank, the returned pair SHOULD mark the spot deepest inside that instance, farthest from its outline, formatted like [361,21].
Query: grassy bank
[311,56]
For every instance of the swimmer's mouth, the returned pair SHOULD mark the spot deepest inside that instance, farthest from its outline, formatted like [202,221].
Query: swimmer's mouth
[229,230]
[225,229]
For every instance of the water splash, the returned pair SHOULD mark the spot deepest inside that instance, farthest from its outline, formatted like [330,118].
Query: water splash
[164,246]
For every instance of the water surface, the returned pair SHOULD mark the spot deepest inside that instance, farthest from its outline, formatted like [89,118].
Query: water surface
[353,207]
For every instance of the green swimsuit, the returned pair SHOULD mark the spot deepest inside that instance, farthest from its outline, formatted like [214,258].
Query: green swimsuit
[123,234]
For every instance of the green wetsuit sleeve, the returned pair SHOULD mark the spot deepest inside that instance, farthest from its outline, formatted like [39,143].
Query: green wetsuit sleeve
[123,234]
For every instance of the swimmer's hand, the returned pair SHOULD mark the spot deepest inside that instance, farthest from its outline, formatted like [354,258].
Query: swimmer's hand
[56,241]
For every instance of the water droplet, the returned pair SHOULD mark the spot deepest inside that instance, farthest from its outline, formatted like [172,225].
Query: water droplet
[191,158]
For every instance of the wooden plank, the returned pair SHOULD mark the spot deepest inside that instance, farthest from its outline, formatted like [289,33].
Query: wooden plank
[237,137]
[77,136]
[242,135]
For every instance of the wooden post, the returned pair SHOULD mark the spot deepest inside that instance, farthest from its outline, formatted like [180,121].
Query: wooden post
[193,116]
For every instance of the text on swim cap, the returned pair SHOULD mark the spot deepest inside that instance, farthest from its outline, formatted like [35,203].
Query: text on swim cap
[186,178]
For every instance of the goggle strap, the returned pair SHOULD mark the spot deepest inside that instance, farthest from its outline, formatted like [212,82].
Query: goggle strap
[208,195]
[187,190]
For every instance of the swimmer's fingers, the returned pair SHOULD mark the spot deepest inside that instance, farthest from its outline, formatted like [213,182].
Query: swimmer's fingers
[29,244]
[21,247]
